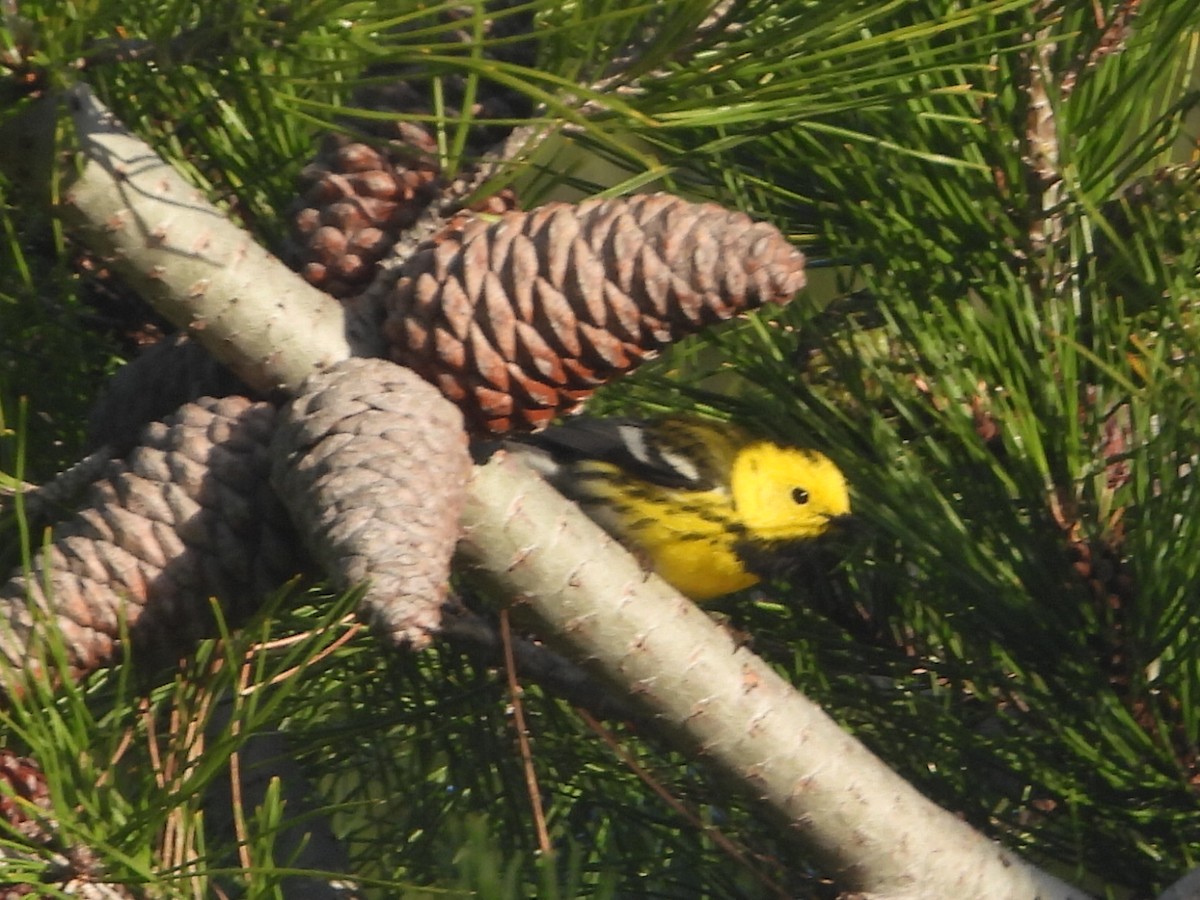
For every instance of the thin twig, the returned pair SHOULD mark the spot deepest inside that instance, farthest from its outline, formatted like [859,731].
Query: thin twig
[514,693]
[355,628]
[727,845]
[235,775]
[472,633]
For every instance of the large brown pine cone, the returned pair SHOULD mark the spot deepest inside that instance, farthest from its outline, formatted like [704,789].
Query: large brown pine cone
[518,320]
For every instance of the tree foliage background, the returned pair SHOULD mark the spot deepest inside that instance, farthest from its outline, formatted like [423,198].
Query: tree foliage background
[999,202]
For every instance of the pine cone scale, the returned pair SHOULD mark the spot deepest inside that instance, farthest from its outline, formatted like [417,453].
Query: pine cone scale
[554,320]
[583,275]
[501,322]
[520,276]
[488,362]
[451,352]
[604,352]
[625,320]
[535,354]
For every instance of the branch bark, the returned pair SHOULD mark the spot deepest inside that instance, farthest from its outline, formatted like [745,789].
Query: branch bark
[1186,888]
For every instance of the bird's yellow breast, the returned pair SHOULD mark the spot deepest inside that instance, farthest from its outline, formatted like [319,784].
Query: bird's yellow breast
[690,542]
[707,507]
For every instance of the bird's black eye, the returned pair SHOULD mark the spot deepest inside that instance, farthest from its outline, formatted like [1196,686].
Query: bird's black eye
[800,495]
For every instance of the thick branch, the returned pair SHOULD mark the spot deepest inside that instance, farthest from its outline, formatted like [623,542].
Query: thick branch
[723,704]
[196,266]
[1186,888]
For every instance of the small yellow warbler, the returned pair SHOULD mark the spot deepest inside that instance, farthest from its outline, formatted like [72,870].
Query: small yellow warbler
[709,507]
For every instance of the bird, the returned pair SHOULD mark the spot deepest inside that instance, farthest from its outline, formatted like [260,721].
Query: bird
[707,505]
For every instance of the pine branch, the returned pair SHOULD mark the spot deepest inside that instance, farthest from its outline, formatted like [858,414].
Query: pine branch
[962,538]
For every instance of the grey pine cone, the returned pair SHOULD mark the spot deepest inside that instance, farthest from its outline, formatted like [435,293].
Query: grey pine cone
[152,386]
[372,463]
[188,515]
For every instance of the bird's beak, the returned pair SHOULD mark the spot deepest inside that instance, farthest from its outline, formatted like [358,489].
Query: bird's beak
[846,522]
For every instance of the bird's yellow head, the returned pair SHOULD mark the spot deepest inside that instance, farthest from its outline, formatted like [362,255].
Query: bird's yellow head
[785,493]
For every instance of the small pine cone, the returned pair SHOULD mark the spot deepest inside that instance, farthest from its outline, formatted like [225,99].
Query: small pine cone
[26,806]
[519,320]
[188,515]
[373,465]
[152,386]
[25,797]
[382,187]
[356,201]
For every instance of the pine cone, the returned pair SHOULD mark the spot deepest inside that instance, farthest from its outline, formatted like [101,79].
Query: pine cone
[26,806]
[152,386]
[356,202]
[519,320]
[373,465]
[188,515]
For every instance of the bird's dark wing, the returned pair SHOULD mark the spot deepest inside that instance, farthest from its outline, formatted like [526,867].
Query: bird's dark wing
[672,453]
